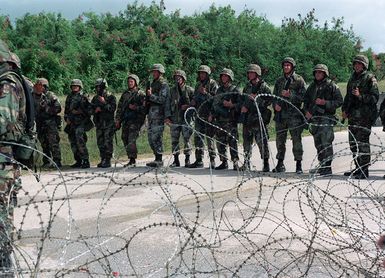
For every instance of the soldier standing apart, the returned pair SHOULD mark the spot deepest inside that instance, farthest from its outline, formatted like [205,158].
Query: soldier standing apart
[48,122]
[180,97]
[104,106]
[255,116]
[204,91]
[225,115]
[157,94]
[77,113]
[130,115]
[360,108]
[322,98]
[290,87]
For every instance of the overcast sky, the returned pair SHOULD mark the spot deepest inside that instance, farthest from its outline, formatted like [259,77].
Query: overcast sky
[366,16]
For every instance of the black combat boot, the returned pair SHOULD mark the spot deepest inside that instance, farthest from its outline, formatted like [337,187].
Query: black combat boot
[280,168]
[85,164]
[176,162]
[361,173]
[352,172]
[157,162]
[197,164]
[106,163]
[77,164]
[298,167]
[131,163]
[187,161]
[100,163]
[266,167]
[222,166]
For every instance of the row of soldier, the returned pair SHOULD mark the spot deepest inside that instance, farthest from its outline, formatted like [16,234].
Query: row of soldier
[215,111]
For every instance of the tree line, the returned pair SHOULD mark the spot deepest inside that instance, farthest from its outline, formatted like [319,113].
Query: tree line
[111,46]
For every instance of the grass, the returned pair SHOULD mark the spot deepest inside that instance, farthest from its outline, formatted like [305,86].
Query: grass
[144,149]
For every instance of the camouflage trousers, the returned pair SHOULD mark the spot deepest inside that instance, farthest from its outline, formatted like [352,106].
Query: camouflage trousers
[155,134]
[105,141]
[49,139]
[295,127]
[227,135]
[130,133]
[261,138]
[359,133]
[78,140]
[208,131]
[323,136]
[176,131]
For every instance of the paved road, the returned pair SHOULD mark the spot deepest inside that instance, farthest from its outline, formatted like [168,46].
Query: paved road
[204,223]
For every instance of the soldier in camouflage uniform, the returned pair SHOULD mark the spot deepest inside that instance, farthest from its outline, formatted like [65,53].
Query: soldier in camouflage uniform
[104,106]
[322,98]
[16,119]
[360,108]
[255,116]
[180,97]
[48,122]
[77,114]
[225,113]
[288,117]
[204,91]
[157,95]
[130,115]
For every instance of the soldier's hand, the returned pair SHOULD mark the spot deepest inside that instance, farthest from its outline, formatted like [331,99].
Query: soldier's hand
[76,112]
[203,90]
[98,109]
[132,106]
[320,101]
[244,109]
[252,96]
[286,93]
[102,99]
[149,92]
[228,104]
[277,107]
[356,92]
[68,122]
[308,115]
[117,125]
[344,115]
[184,107]
[167,121]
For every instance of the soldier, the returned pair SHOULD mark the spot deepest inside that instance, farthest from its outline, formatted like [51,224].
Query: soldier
[255,116]
[322,98]
[104,106]
[157,94]
[360,108]
[290,87]
[48,122]
[16,120]
[204,91]
[225,113]
[130,115]
[180,97]
[77,114]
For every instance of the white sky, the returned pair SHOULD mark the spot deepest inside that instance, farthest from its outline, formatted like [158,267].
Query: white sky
[367,17]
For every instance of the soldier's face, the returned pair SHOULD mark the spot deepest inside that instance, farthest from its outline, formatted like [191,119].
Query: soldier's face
[75,88]
[179,79]
[155,74]
[287,68]
[252,75]
[131,83]
[39,88]
[225,78]
[358,67]
[319,75]
[202,75]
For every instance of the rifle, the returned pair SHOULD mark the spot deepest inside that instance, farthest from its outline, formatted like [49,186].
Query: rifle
[278,115]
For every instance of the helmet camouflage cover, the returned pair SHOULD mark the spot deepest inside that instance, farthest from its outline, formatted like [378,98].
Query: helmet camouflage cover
[158,67]
[77,82]
[227,72]
[100,81]
[254,68]
[321,67]
[289,60]
[181,73]
[134,77]
[361,59]
[204,68]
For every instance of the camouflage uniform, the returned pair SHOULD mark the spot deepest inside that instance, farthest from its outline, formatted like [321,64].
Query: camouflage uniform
[290,118]
[253,127]
[179,96]
[362,113]
[104,121]
[132,120]
[77,114]
[48,123]
[323,117]
[226,120]
[202,101]
[156,105]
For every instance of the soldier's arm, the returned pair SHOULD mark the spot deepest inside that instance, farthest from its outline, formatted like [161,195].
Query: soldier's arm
[162,97]
[332,105]
[307,99]
[276,92]
[266,100]
[297,96]
[56,106]
[67,108]
[167,106]
[140,105]
[120,109]
[213,88]
[372,96]
[110,105]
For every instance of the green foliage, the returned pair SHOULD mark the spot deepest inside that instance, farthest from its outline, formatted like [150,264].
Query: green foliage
[93,46]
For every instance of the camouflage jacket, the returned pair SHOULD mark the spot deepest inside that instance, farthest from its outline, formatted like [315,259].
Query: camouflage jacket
[327,90]
[297,90]
[178,96]
[203,101]
[124,114]
[157,101]
[364,105]
[252,117]
[224,114]
[105,118]
[47,108]
[78,109]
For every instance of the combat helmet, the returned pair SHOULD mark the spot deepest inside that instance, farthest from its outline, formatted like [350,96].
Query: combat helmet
[6,56]
[101,81]
[321,67]
[180,73]
[227,72]
[135,77]
[77,82]
[204,68]
[361,59]
[289,60]
[42,81]
[254,68]
[158,67]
